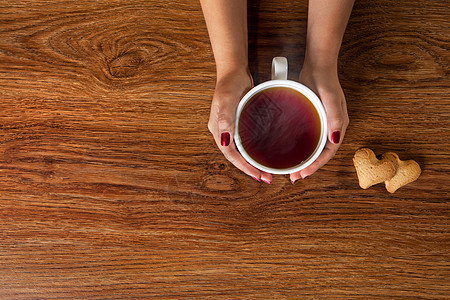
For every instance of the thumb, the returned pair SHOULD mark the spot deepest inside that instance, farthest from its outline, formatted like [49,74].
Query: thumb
[226,129]
[337,119]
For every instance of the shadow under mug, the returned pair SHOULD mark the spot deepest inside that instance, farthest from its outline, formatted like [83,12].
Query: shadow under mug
[279,80]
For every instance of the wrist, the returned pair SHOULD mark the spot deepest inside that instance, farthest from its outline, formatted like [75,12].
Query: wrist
[322,50]
[321,59]
[319,74]
[317,67]
[231,67]
[233,84]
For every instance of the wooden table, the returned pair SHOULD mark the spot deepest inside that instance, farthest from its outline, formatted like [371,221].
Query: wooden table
[111,186]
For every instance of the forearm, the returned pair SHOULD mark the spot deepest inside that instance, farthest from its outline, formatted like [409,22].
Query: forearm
[327,20]
[226,21]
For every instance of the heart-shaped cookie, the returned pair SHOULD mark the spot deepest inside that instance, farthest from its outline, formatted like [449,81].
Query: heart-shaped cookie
[407,171]
[371,170]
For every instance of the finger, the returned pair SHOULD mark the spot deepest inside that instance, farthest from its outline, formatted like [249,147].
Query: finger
[224,140]
[327,154]
[295,176]
[337,118]
[221,126]
[266,177]
[225,126]
[232,155]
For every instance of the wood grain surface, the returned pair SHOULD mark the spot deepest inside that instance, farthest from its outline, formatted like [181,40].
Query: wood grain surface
[111,186]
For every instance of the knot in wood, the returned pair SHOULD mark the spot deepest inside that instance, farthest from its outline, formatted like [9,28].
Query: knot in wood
[127,64]
[220,183]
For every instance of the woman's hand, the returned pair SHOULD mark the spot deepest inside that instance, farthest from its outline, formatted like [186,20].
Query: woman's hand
[326,25]
[325,83]
[227,27]
[230,88]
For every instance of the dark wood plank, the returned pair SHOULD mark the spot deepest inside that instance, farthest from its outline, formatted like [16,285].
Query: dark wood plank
[111,185]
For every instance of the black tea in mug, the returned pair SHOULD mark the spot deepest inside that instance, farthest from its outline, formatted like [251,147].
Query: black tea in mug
[279,127]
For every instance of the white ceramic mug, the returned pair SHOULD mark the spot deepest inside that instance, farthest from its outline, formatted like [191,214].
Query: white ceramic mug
[279,79]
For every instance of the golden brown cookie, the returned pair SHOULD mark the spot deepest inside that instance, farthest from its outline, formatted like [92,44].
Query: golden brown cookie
[371,170]
[407,172]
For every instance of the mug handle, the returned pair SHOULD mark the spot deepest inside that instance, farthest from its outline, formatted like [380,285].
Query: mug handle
[279,68]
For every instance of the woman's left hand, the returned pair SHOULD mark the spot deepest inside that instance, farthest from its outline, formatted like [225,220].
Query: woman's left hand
[325,84]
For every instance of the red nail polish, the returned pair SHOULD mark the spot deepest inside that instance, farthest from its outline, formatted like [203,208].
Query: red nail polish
[268,182]
[256,178]
[225,139]
[336,137]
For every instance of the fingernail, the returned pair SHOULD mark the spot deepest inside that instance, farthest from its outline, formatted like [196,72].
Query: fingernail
[225,139]
[293,181]
[336,137]
[266,181]
[256,178]
[304,176]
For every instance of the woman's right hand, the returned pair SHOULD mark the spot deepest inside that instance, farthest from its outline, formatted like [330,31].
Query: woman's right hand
[230,88]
